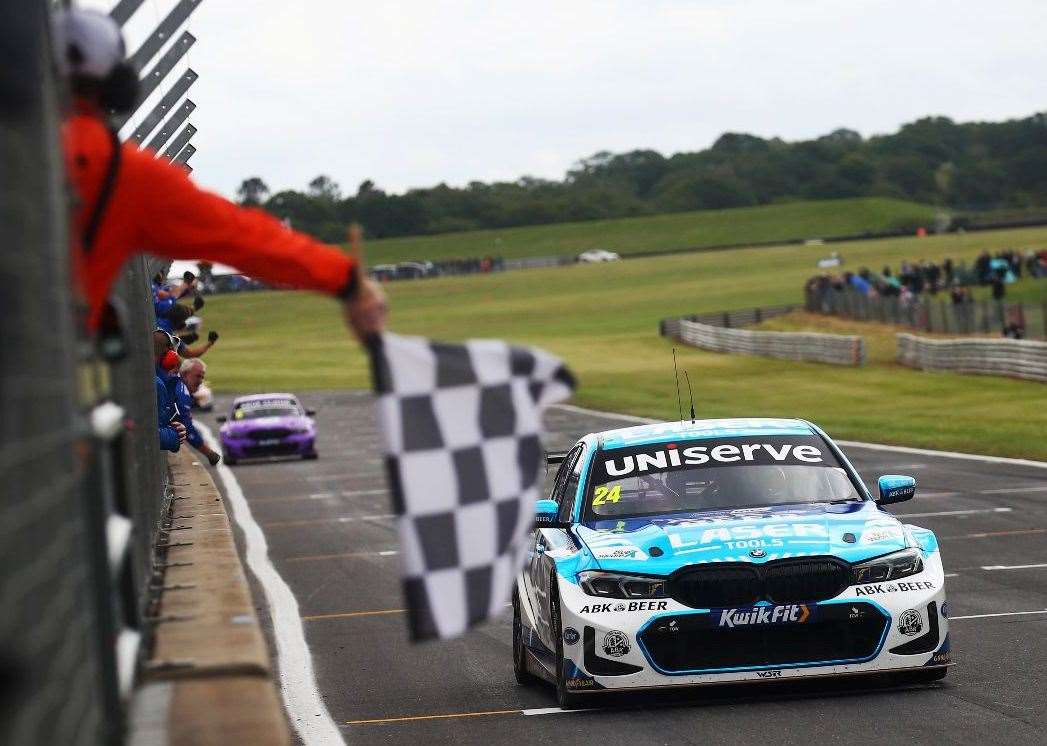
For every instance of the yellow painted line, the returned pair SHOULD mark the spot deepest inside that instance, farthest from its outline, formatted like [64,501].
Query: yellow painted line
[434,717]
[1015,532]
[351,614]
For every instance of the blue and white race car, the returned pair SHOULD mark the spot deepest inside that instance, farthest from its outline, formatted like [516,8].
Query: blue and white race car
[719,551]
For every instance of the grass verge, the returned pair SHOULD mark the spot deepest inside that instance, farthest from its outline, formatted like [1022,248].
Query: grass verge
[602,319]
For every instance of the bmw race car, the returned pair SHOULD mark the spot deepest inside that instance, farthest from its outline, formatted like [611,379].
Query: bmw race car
[719,551]
[267,425]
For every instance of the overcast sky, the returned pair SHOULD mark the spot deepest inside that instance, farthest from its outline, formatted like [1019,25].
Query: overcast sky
[409,94]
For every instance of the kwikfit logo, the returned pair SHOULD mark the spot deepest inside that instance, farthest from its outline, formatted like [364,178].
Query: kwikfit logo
[787,614]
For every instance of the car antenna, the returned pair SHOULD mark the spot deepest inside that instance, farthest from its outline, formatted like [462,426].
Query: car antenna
[676,373]
[690,395]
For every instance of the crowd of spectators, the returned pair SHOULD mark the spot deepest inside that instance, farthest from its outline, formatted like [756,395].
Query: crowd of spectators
[912,282]
[180,373]
[914,279]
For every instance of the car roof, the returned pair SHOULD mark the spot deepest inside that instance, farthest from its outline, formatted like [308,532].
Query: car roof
[661,432]
[261,397]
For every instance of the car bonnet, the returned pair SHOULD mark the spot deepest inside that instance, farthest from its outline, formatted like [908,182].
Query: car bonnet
[659,545]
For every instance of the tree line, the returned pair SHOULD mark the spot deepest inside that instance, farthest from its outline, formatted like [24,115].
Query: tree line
[934,160]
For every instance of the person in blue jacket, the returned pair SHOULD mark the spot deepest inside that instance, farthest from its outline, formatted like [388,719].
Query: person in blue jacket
[171,432]
[190,376]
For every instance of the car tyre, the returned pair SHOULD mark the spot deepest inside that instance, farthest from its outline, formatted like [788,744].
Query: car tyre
[567,699]
[312,457]
[227,459]
[523,676]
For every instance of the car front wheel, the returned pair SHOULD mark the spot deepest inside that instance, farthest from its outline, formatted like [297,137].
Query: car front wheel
[523,676]
[567,699]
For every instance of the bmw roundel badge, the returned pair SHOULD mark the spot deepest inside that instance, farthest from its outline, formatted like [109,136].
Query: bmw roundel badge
[757,553]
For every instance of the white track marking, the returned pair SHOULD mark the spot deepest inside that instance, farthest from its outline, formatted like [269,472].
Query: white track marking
[552,711]
[305,707]
[843,443]
[953,512]
[1008,490]
[1002,613]
[356,493]
[1013,567]
[951,574]
[341,477]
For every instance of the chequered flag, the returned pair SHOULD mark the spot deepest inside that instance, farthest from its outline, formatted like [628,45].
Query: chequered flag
[461,426]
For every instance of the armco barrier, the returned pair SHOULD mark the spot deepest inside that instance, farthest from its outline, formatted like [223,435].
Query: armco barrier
[1017,358]
[811,347]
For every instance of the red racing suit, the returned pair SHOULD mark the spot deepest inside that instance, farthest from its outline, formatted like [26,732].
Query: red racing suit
[151,206]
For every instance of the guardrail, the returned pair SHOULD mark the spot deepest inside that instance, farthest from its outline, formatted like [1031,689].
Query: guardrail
[1017,358]
[835,349]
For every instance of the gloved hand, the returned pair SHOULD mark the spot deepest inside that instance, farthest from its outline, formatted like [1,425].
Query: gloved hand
[212,337]
[213,458]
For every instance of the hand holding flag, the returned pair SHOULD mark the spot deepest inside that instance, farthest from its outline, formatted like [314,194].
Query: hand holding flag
[366,309]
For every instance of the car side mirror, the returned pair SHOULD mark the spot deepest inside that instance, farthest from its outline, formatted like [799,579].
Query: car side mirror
[545,512]
[221,418]
[895,488]
[310,413]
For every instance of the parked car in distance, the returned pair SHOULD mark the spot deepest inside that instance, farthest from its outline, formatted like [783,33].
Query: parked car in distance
[595,256]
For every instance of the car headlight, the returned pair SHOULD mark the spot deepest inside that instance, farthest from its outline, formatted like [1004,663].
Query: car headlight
[889,567]
[618,585]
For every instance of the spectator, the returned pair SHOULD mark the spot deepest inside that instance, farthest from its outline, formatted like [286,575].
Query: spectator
[172,433]
[190,376]
[130,201]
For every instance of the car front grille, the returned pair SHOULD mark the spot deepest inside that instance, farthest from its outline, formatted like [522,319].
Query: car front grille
[280,449]
[270,433]
[704,642]
[785,581]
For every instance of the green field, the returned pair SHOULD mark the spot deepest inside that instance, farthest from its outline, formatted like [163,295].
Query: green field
[680,230]
[603,320]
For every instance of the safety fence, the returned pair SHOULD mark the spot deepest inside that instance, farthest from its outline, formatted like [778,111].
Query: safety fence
[820,348]
[936,315]
[1017,358]
[84,493]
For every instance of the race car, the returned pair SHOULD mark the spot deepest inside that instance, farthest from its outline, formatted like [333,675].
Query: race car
[267,425]
[714,551]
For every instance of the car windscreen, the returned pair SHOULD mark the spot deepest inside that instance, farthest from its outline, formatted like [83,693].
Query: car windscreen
[714,474]
[253,410]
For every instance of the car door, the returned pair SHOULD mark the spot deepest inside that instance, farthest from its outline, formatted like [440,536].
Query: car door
[542,567]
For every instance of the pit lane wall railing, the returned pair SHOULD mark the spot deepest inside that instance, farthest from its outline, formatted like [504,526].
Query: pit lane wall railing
[1016,358]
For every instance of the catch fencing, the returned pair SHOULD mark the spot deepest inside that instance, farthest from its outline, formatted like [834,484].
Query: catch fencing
[835,349]
[937,315]
[1017,358]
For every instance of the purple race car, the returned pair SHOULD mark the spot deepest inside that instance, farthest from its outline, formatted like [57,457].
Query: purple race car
[267,425]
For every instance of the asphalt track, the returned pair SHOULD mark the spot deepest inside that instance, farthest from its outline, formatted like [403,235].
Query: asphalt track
[332,540]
